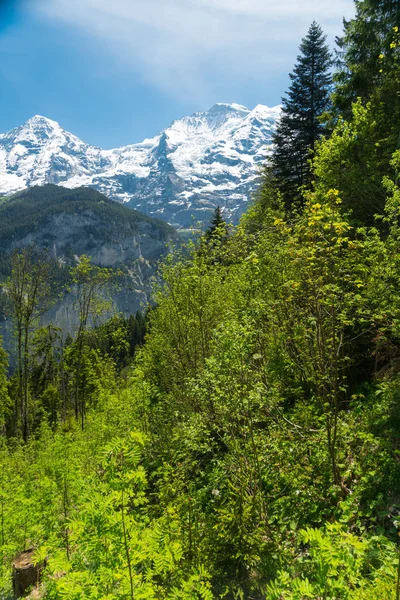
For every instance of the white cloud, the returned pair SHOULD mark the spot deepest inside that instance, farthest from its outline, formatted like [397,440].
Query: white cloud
[192,48]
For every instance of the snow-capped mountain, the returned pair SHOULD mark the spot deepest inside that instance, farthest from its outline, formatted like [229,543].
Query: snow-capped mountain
[210,158]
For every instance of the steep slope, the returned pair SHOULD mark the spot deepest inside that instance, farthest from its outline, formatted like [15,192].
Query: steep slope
[69,223]
[81,220]
[210,158]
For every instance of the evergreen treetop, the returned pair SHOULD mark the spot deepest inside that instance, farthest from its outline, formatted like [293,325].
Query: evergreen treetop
[217,224]
[300,126]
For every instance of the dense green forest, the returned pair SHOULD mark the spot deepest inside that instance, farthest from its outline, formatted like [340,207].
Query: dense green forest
[240,440]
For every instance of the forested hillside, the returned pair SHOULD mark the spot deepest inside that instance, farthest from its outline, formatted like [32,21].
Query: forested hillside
[242,439]
[61,225]
[27,212]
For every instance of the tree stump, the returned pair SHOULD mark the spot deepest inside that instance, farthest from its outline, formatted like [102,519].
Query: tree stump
[25,573]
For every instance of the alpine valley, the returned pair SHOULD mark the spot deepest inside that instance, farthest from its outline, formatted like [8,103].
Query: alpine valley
[210,158]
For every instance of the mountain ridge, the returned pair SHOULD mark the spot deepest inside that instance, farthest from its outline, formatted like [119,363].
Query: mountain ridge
[203,160]
[27,212]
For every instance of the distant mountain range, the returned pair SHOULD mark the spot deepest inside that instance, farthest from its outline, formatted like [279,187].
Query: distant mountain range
[210,158]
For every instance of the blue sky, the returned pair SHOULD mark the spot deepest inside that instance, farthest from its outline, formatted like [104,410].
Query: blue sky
[116,71]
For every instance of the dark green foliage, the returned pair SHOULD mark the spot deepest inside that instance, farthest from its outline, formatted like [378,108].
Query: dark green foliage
[366,40]
[119,338]
[300,125]
[217,224]
[216,237]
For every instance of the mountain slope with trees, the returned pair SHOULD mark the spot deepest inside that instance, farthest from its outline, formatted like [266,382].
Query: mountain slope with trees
[65,224]
[41,215]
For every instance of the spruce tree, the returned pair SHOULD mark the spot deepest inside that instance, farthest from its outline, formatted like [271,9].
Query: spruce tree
[300,126]
[217,225]
[368,54]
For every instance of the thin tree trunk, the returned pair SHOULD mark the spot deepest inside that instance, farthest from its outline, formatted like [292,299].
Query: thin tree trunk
[77,375]
[20,386]
[65,502]
[128,558]
[25,426]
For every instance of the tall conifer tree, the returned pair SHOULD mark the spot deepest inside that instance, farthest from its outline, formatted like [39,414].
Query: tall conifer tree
[368,53]
[300,127]
[217,224]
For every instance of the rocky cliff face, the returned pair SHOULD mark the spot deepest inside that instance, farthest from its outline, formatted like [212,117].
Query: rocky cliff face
[86,232]
[210,158]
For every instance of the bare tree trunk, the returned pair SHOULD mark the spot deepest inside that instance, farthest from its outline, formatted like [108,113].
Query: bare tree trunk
[25,423]
[20,386]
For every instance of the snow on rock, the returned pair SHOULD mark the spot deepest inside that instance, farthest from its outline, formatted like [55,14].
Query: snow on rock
[207,159]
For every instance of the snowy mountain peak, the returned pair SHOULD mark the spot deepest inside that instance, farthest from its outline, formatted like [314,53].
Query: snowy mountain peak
[209,158]
[36,128]
[40,121]
[226,107]
[266,112]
